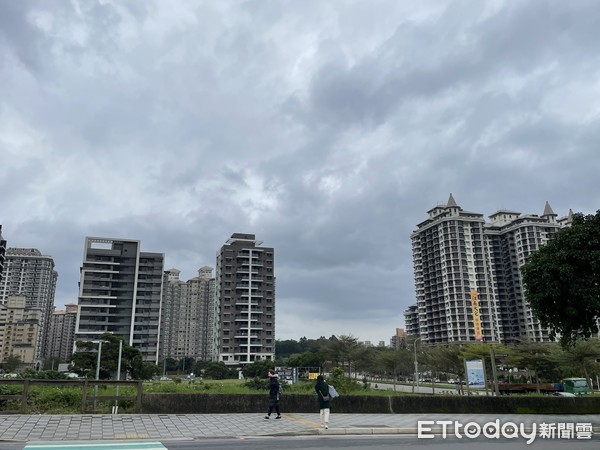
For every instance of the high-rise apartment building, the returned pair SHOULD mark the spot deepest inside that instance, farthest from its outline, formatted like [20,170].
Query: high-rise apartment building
[120,292]
[411,320]
[245,277]
[187,315]
[452,264]
[513,238]
[30,274]
[2,253]
[61,333]
[19,330]
[467,275]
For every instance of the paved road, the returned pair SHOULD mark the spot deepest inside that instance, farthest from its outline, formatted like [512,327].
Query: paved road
[391,442]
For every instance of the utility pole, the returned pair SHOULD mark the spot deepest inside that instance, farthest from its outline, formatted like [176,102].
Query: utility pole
[416,379]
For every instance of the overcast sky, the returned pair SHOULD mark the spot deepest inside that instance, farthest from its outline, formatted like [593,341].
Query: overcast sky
[326,128]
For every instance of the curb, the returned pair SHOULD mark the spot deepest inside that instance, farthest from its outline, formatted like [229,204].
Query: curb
[346,431]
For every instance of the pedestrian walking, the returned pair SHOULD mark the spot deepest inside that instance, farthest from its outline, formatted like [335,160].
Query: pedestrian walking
[322,390]
[274,393]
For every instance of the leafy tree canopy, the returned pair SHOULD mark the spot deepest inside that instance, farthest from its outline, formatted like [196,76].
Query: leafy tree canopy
[219,371]
[85,359]
[12,363]
[258,369]
[562,280]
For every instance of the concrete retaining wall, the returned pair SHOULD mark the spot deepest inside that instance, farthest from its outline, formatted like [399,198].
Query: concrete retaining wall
[306,403]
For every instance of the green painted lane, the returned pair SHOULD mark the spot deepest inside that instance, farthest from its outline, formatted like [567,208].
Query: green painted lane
[96,445]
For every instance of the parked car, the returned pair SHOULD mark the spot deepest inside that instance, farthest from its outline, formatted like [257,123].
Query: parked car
[563,394]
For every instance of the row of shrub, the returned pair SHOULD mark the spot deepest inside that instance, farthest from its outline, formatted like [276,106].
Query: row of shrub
[369,404]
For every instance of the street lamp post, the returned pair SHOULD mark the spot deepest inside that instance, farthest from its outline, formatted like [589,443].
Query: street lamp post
[416,379]
[97,372]
[116,407]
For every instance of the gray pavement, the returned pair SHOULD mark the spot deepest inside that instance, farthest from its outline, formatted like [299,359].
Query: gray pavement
[49,428]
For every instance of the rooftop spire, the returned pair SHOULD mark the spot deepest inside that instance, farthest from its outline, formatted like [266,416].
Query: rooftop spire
[451,201]
[548,210]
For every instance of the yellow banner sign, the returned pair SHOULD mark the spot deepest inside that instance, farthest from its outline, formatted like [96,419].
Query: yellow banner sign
[476,315]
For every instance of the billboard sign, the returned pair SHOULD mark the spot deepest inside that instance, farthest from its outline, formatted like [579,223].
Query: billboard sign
[475,373]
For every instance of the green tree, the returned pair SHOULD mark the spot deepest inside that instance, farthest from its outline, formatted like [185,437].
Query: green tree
[392,363]
[538,358]
[446,359]
[170,364]
[144,370]
[287,347]
[12,363]
[561,280]
[185,364]
[580,359]
[306,359]
[258,369]
[343,351]
[85,359]
[218,371]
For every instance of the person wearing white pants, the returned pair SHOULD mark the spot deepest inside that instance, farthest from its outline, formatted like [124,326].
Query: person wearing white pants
[322,390]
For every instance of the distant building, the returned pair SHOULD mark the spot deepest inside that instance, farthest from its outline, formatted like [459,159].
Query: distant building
[187,317]
[19,330]
[245,278]
[61,333]
[30,274]
[399,338]
[120,292]
[467,275]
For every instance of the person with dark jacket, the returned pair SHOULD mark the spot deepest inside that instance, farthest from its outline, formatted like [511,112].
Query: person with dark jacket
[322,390]
[273,395]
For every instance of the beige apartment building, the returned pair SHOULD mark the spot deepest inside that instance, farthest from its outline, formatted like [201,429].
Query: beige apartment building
[19,329]
[61,333]
[188,316]
[467,275]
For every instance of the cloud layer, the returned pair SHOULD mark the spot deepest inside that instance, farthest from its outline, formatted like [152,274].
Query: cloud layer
[328,129]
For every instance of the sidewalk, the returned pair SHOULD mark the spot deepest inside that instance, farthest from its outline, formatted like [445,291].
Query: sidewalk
[48,428]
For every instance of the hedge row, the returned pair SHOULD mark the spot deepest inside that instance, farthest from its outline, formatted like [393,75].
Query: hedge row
[304,403]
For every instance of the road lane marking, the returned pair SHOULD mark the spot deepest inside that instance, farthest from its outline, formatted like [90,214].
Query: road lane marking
[93,445]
